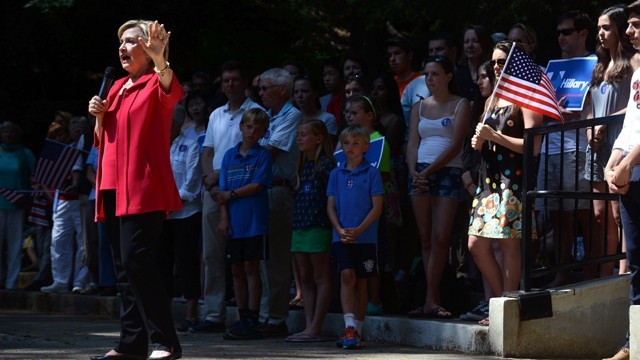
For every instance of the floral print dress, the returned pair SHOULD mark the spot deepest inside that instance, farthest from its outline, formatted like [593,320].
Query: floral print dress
[497,209]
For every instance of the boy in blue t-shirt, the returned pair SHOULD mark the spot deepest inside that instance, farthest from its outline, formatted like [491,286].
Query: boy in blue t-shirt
[245,176]
[354,205]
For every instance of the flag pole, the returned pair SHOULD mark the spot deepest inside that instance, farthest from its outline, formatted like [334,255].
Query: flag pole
[493,92]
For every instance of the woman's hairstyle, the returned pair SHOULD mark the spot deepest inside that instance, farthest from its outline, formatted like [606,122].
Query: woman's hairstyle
[484,38]
[529,33]
[355,130]
[62,117]
[354,58]
[480,101]
[60,131]
[624,50]
[144,26]
[486,66]
[448,68]
[312,84]
[196,94]
[504,46]
[257,116]
[369,105]
[325,148]
[360,79]
[393,96]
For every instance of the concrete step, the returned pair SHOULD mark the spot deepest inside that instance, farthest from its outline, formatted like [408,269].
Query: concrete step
[445,335]
[586,320]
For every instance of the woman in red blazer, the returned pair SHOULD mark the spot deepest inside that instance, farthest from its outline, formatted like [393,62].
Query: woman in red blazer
[135,187]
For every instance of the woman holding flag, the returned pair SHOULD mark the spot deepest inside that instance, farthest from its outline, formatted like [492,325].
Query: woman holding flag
[497,207]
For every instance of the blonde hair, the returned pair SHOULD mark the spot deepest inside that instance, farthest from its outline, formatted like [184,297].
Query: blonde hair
[325,148]
[355,130]
[257,116]
[58,130]
[143,25]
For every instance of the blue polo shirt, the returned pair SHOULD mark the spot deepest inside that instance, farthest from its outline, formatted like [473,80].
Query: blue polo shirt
[248,215]
[352,191]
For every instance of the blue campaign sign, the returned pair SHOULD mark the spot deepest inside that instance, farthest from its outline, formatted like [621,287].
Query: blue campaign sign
[571,78]
[373,155]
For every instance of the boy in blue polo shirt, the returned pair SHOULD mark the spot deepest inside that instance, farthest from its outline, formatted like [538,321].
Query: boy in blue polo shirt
[354,205]
[245,176]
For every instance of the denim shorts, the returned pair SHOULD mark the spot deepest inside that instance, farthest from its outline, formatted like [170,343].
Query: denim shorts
[596,163]
[445,182]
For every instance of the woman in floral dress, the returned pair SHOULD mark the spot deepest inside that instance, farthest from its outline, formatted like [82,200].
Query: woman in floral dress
[497,208]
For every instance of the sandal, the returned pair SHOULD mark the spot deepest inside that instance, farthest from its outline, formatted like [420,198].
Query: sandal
[435,313]
[296,303]
[438,313]
[304,338]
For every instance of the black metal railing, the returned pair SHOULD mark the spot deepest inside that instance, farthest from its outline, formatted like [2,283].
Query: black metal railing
[531,269]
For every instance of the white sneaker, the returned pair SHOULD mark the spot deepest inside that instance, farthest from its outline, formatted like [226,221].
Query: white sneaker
[55,288]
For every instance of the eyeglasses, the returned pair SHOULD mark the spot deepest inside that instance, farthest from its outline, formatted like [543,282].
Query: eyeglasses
[500,62]
[264,88]
[566,32]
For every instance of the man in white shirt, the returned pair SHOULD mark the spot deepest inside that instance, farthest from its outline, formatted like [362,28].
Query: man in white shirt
[223,132]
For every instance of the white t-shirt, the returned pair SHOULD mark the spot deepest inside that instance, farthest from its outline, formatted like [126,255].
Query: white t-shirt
[629,137]
[223,131]
[414,92]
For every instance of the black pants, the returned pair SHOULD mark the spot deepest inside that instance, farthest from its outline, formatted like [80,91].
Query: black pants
[179,255]
[145,312]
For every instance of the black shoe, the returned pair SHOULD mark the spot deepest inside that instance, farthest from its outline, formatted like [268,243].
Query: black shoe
[480,312]
[118,357]
[206,326]
[243,330]
[271,330]
[184,326]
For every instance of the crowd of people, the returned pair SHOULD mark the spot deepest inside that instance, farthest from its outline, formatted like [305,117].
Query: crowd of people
[352,192]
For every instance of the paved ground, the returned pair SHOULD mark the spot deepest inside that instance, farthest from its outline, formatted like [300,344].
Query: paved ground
[27,335]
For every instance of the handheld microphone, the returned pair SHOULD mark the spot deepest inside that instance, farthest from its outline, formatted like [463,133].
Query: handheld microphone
[107,81]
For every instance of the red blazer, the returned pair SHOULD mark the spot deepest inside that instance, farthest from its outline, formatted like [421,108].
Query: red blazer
[144,180]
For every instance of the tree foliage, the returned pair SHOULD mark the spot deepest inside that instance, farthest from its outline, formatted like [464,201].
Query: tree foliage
[54,51]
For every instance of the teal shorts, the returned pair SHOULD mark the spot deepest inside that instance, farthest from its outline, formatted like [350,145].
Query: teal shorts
[312,240]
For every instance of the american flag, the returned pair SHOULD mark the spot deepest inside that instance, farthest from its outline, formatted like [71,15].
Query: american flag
[38,213]
[55,163]
[525,84]
[13,196]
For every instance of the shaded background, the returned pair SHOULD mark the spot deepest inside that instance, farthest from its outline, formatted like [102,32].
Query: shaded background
[53,53]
